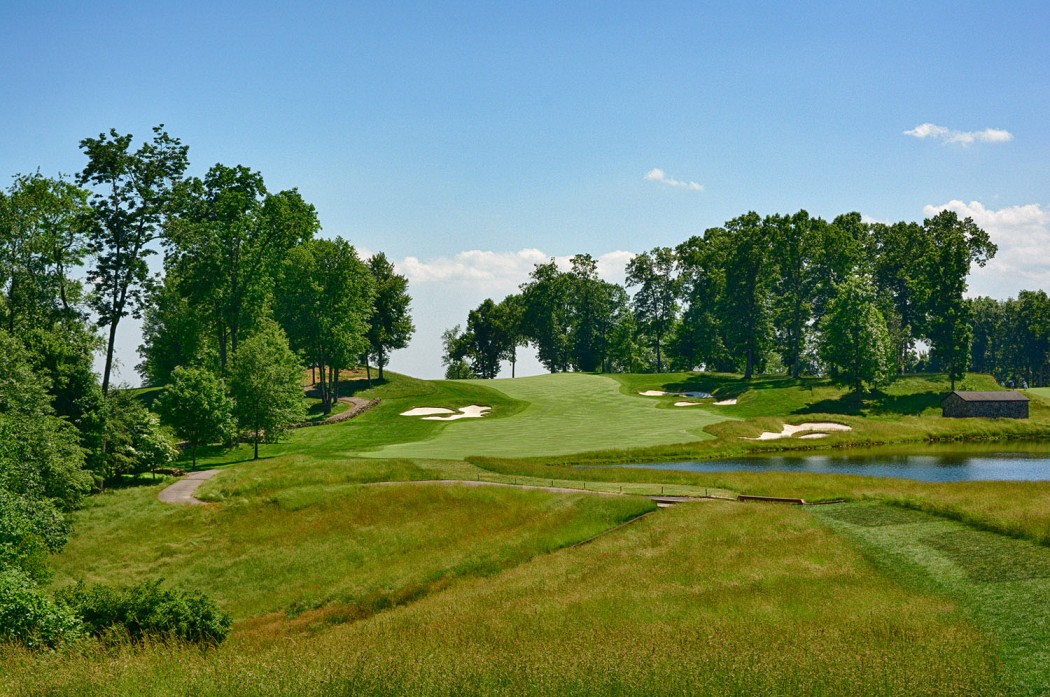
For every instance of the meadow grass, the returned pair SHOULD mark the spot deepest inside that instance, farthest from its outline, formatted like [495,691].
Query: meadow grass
[1003,584]
[354,548]
[565,413]
[712,598]
[340,583]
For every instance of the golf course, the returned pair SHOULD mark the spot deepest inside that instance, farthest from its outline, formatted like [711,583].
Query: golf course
[398,555]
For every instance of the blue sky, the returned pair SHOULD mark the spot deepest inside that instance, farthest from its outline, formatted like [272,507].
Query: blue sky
[468,140]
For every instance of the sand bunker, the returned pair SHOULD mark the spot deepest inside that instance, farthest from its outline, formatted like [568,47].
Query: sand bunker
[789,430]
[688,404]
[726,402]
[426,411]
[661,393]
[470,412]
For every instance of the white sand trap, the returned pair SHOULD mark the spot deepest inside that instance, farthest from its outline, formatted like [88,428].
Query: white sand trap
[470,412]
[811,436]
[661,393]
[790,430]
[688,404]
[426,411]
[726,402]
[654,393]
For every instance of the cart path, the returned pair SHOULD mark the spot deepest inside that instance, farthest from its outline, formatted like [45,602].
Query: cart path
[182,491]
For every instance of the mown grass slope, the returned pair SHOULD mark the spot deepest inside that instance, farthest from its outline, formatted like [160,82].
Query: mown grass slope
[1004,584]
[565,413]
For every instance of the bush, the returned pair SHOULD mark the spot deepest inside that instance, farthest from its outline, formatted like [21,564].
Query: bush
[147,610]
[30,618]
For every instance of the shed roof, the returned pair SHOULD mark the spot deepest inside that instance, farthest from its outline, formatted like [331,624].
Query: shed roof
[997,396]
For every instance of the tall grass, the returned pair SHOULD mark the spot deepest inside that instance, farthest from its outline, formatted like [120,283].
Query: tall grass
[356,548]
[702,599]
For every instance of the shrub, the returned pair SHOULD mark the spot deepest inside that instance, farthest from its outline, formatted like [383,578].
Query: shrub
[30,618]
[147,610]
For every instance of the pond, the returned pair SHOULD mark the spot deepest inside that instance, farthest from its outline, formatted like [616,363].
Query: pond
[954,463]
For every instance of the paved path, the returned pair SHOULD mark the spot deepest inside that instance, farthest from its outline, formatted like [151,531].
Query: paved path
[661,501]
[182,490]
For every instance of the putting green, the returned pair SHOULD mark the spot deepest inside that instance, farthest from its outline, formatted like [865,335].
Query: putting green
[567,413]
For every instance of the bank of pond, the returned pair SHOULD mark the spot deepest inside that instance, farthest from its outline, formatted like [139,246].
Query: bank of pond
[956,462]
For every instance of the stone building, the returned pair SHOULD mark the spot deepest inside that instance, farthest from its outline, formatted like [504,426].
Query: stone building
[1004,404]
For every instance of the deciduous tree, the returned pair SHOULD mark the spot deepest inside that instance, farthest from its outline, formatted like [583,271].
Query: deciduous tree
[266,381]
[129,204]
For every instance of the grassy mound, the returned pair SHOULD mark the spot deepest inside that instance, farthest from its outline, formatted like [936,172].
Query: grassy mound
[565,413]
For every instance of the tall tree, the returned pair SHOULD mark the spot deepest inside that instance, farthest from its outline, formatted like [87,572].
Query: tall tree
[794,248]
[266,381]
[744,308]
[324,301]
[390,327]
[855,344]
[591,314]
[487,338]
[1025,351]
[173,334]
[129,204]
[656,300]
[699,337]
[227,246]
[511,317]
[42,226]
[547,316]
[896,252]
[953,245]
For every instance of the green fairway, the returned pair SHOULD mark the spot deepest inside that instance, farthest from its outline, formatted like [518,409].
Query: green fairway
[566,413]
[1002,583]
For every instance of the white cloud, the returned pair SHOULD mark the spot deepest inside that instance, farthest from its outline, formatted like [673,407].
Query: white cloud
[1022,234]
[658,175]
[947,135]
[499,273]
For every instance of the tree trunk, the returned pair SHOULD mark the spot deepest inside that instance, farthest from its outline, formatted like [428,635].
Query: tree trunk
[109,358]
[256,445]
[380,360]
[368,371]
[193,454]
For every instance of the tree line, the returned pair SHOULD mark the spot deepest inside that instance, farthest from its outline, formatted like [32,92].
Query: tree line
[249,296]
[792,294]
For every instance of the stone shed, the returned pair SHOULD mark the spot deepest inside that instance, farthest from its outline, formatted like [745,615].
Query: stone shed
[1005,404]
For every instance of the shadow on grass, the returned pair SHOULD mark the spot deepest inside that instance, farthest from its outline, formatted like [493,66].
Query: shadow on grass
[874,404]
[728,386]
[135,481]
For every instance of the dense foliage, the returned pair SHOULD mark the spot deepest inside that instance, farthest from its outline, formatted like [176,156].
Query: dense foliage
[753,296]
[145,610]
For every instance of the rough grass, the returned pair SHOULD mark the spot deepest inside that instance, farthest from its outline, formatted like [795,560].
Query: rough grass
[564,413]
[1001,582]
[702,599]
[359,548]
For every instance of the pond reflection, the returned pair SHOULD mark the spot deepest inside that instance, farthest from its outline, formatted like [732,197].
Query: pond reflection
[955,463]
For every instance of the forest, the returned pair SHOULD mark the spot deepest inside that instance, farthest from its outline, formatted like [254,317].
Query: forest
[249,295]
[791,294]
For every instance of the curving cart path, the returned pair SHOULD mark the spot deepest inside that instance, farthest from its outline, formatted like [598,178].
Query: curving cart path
[182,491]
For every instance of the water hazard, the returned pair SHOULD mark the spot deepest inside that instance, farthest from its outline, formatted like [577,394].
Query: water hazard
[1030,462]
